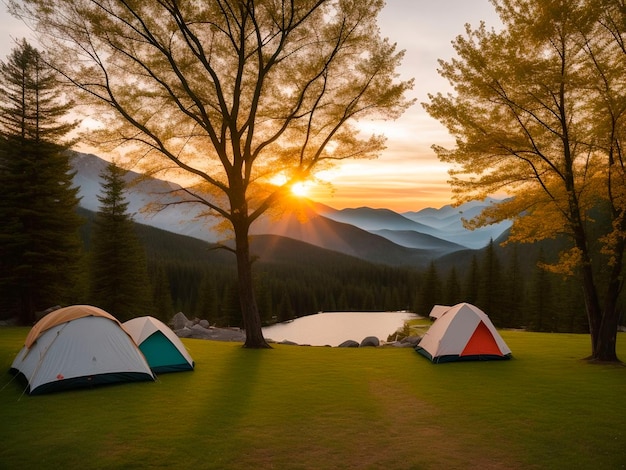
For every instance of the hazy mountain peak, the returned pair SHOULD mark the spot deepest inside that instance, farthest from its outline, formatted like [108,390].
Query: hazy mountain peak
[379,235]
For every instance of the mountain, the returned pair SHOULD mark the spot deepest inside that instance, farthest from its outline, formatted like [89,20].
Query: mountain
[142,191]
[412,239]
[343,238]
[445,224]
[376,219]
[375,235]
[448,223]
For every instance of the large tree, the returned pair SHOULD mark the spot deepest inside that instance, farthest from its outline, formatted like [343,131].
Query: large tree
[538,111]
[119,280]
[230,92]
[39,239]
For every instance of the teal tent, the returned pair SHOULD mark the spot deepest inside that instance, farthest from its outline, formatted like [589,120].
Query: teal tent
[163,350]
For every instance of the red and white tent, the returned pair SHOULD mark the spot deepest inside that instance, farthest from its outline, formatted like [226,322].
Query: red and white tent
[463,333]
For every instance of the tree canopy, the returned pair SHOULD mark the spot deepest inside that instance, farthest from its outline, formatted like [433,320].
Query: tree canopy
[230,93]
[538,111]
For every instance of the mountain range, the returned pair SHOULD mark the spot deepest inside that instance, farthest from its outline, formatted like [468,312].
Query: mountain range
[375,235]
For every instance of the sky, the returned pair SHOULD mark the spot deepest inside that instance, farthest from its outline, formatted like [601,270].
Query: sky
[407,176]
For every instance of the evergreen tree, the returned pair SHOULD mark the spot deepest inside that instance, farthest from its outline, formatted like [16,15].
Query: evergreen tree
[514,299]
[161,294]
[40,246]
[541,310]
[208,304]
[490,291]
[431,290]
[119,278]
[452,294]
[472,282]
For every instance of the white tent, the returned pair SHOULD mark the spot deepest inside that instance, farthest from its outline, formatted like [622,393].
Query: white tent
[163,350]
[463,333]
[438,310]
[78,346]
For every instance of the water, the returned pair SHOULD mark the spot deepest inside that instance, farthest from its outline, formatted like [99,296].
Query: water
[333,328]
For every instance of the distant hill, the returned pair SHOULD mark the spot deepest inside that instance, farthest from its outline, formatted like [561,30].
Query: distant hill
[374,235]
[178,219]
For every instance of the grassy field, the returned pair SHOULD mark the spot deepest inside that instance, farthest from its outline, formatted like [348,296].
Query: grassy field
[326,408]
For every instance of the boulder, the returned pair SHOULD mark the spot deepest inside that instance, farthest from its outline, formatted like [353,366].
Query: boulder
[350,343]
[204,323]
[183,333]
[198,331]
[370,341]
[411,340]
[180,321]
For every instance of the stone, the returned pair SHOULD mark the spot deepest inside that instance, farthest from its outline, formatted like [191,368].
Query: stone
[204,323]
[350,343]
[370,341]
[198,331]
[411,340]
[183,333]
[179,321]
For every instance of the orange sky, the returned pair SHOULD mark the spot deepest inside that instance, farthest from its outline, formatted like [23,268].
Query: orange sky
[407,176]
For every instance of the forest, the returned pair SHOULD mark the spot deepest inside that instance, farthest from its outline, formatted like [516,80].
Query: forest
[296,279]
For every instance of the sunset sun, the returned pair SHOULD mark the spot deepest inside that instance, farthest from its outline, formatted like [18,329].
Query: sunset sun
[300,189]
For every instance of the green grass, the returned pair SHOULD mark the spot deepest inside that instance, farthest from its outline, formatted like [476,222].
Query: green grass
[326,408]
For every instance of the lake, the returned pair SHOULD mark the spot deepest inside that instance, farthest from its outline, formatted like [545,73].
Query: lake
[333,328]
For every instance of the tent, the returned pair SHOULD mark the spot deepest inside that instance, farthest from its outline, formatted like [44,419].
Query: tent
[163,350]
[438,310]
[78,346]
[463,333]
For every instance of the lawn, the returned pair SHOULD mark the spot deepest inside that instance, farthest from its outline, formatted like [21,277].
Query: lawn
[298,407]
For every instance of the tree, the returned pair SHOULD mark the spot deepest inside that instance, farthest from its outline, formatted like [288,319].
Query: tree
[119,280]
[40,247]
[490,287]
[231,92]
[452,294]
[538,111]
[161,293]
[430,289]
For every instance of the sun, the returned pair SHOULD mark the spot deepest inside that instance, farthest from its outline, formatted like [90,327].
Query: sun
[300,189]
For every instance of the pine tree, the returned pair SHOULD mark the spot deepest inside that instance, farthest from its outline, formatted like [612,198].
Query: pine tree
[490,291]
[161,294]
[430,290]
[119,278]
[40,247]
[452,294]
[472,282]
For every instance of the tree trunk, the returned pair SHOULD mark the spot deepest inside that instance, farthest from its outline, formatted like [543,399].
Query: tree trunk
[603,322]
[605,342]
[249,309]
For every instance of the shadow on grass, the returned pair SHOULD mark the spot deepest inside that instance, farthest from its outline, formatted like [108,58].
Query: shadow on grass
[231,393]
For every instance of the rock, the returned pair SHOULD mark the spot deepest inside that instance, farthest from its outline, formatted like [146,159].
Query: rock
[370,341]
[411,340]
[204,323]
[286,341]
[179,321]
[198,331]
[183,333]
[350,343]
